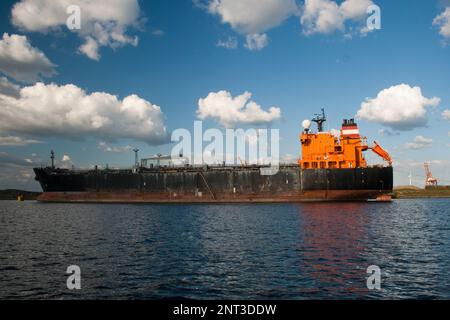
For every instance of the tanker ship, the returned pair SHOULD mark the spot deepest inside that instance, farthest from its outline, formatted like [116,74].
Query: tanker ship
[331,168]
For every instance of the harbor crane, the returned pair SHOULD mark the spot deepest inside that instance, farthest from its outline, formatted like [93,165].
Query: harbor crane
[429,179]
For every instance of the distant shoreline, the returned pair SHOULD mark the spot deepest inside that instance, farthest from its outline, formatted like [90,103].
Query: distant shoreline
[12,194]
[415,193]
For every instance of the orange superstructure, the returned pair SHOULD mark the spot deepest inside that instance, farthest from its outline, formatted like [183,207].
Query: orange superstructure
[323,150]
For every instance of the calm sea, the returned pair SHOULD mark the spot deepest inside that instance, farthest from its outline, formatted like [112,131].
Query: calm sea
[293,251]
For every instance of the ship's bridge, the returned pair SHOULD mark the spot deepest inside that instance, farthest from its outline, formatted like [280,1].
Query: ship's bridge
[324,150]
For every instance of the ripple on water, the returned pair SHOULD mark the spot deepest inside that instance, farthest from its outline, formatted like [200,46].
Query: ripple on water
[289,251]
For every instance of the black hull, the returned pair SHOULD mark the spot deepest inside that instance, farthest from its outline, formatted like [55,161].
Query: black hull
[217,184]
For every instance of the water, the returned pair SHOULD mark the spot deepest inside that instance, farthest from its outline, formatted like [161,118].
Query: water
[289,251]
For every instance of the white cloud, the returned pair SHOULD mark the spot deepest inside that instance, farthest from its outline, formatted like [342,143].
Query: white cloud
[446,114]
[443,22]
[21,61]
[68,112]
[7,88]
[326,16]
[256,41]
[355,9]
[321,16]
[103,23]
[16,141]
[65,162]
[7,159]
[158,33]
[230,111]
[17,173]
[90,49]
[229,43]
[400,107]
[420,142]
[387,132]
[107,148]
[253,16]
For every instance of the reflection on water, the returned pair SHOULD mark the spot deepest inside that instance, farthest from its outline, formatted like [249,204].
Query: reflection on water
[289,251]
[332,242]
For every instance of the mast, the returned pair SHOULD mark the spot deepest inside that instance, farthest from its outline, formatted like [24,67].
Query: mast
[136,158]
[320,119]
[52,157]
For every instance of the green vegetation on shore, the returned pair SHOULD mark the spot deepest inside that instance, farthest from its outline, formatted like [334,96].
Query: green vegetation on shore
[12,194]
[409,192]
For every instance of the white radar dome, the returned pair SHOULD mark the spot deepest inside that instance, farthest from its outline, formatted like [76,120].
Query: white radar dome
[306,124]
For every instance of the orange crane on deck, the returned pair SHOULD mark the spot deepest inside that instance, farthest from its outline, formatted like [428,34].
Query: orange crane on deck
[382,153]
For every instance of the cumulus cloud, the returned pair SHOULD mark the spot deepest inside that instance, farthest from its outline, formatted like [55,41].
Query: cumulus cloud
[16,141]
[251,17]
[103,23]
[67,111]
[399,107]
[442,21]
[65,162]
[446,114]
[256,41]
[420,142]
[114,149]
[8,88]
[229,110]
[21,61]
[326,16]
[229,43]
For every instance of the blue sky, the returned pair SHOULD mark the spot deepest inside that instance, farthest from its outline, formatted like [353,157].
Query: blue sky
[177,61]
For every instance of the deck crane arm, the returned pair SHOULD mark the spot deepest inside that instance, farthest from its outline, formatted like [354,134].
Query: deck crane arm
[382,153]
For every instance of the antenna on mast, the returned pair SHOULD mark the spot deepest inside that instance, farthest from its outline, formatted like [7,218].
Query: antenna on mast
[52,156]
[136,157]
[320,119]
